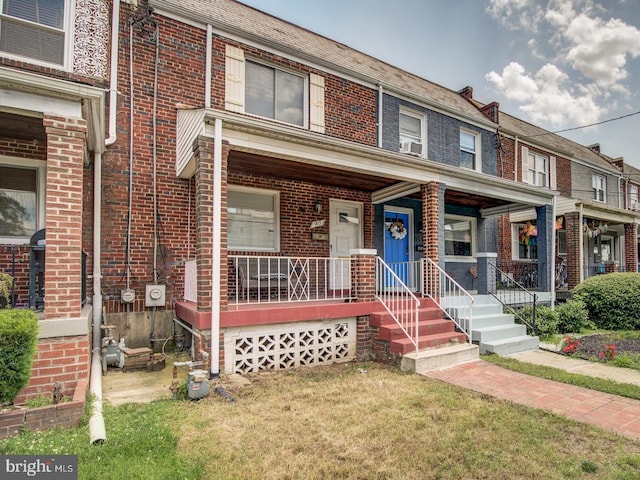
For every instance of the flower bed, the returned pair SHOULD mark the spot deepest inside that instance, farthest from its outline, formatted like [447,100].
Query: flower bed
[66,414]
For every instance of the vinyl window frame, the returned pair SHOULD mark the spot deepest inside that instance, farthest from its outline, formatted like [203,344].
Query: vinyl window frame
[39,166]
[272,246]
[68,24]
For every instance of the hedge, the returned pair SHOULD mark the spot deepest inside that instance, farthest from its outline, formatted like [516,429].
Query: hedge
[18,343]
[613,300]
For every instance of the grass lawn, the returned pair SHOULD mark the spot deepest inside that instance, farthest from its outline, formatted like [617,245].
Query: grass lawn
[350,421]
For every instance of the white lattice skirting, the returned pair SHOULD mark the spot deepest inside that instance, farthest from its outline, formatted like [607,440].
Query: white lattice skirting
[283,346]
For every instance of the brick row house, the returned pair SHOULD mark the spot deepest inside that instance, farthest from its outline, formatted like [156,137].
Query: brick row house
[255,192]
[596,221]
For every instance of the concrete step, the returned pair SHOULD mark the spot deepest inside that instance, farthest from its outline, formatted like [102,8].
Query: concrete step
[404,345]
[393,331]
[508,346]
[384,318]
[439,358]
[485,321]
[498,332]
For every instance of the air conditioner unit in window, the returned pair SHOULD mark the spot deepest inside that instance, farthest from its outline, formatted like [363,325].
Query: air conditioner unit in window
[407,146]
[635,205]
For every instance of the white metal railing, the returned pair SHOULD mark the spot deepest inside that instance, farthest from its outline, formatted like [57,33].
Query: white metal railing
[450,296]
[397,298]
[269,279]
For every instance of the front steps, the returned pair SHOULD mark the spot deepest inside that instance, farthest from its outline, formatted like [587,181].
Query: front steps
[497,332]
[440,344]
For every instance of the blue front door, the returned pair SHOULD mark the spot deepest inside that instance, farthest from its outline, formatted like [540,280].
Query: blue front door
[397,242]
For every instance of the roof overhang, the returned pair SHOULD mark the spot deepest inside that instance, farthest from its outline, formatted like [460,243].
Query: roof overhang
[33,95]
[406,172]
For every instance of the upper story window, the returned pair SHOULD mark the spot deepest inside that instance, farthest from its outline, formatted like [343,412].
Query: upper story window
[599,184]
[459,236]
[21,200]
[35,29]
[412,136]
[538,170]
[469,150]
[634,204]
[274,93]
[253,219]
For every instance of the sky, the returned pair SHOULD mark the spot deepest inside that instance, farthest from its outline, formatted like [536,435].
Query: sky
[559,64]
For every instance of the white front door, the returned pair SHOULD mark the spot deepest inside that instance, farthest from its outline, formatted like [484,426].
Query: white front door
[345,234]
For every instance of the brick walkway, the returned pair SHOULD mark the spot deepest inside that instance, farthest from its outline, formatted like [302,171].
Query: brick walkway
[610,412]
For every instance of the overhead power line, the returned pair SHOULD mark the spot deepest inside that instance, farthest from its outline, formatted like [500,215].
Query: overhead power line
[584,126]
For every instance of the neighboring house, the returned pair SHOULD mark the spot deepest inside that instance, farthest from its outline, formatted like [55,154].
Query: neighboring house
[595,231]
[53,72]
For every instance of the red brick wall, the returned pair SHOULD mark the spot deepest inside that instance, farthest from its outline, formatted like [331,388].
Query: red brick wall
[181,80]
[63,360]
[65,155]
[574,238]
[350,108]
[32,150]
[631,247]
[297,200]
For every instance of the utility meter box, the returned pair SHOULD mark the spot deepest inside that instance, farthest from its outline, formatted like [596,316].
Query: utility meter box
[127,295]
[155,296]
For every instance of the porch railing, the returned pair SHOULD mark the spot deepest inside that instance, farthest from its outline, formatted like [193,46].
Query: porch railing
[514,297]
[270,279]
[397,298]
[449,295]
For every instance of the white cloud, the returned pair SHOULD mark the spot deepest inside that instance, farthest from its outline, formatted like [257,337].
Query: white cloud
[545,98]
[590,51]
[599,49]
[516,14]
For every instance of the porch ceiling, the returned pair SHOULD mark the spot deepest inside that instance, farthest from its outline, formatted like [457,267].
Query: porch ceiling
[22,127]
[253,164]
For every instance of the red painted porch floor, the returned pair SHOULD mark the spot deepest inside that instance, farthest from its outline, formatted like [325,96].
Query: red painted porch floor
[610,412]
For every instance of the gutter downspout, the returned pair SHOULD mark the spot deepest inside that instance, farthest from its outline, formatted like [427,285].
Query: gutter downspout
[581,243]
[97,431]
[515,162]
[113,74]
[208,66]
[217,229]
[553,254]
[380,101]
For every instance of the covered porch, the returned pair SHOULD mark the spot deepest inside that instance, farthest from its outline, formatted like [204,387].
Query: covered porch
[290,207]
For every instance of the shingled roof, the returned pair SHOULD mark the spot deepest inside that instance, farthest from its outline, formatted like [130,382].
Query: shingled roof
[249,23]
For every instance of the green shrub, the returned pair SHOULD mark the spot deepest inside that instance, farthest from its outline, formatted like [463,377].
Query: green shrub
[573,317]
[546,321]
[18,341]
[612,300]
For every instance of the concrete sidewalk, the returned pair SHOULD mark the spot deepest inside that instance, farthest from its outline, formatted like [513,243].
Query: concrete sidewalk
[582,367]
[610,412]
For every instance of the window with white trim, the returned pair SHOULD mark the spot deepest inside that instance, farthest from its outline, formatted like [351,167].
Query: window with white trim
[538,170]
[459,236]
[274,93]
[599,184]
[469,150]
[525,240]
[22,199]
[412,132]
[253,219]
[39,30]
[633,197]
[271,91]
